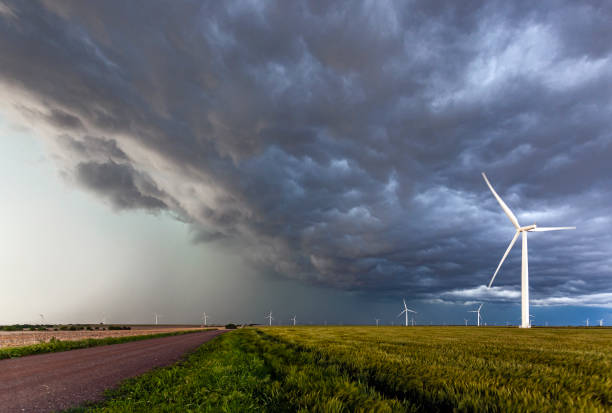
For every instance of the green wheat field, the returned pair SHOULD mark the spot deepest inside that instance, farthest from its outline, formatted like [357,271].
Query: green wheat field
[386,369]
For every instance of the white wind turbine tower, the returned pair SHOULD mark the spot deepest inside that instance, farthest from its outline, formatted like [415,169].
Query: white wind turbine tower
[601,322]
[204,319]
[293,319]
[377,320]
[269,316]
[156,317]
[524,267]
[478,312]
[587,322]
[465,321]
[405,312]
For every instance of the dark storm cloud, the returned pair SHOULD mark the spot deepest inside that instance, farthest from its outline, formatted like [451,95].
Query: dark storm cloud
[120,183]
[339,143]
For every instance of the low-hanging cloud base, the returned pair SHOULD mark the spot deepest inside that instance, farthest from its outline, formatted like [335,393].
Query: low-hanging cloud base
[336,143]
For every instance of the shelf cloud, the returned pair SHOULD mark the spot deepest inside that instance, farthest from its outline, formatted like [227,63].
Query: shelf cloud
[337,143]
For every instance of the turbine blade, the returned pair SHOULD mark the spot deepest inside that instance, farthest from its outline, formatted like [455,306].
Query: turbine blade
[480,307]
[401,313]
[542,229]
[502,203]
[504,257]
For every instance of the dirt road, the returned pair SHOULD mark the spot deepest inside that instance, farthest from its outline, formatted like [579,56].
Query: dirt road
[56,381]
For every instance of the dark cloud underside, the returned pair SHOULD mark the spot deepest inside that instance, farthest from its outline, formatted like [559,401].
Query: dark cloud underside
[339,143]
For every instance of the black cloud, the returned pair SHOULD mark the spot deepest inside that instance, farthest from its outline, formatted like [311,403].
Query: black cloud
[121,184]
[341,143]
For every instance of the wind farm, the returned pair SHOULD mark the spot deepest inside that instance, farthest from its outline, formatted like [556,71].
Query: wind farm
[181,179]
[299,347]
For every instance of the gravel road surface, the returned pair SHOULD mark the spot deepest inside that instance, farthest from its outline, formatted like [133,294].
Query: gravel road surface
[56,381]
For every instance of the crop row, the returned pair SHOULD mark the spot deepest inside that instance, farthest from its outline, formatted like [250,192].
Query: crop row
[471,369]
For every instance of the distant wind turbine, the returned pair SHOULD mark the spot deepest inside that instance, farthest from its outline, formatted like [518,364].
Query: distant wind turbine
[524,267]
[204,319]
[42,318]
[601,322]
[293,319]
[377,320]
[269,316]
[587,322]
[478,314]
[465,321]
[405,312]
[157,317]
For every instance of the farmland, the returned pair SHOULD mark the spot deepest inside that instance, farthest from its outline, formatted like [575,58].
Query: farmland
[26,338]
[334,369]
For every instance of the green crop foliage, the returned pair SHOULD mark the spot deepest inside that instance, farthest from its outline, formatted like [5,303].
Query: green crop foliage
[472,369]
[386,369]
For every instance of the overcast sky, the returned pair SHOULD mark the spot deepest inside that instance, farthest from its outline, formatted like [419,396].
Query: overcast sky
[318,158]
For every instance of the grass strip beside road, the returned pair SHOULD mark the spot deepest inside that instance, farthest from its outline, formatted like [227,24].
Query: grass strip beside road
[63,345]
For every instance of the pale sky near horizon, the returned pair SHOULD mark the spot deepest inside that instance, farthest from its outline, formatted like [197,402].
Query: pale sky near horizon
[57,232]
[321,159]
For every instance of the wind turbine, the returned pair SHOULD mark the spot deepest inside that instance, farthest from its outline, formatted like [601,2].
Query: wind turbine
[524,266]
[42,318]
[156,317]
[465,321]
[587,322]
[205,319]
[293,319]
[377,320]
[477,311]
[269,316]
[601,322]
[405,311]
